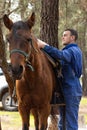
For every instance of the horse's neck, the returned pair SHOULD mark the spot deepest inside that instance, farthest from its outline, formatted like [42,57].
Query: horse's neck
[36,63]
[36,59]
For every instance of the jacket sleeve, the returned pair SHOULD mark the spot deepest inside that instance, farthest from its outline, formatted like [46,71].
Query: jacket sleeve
[58,54]
[71,55]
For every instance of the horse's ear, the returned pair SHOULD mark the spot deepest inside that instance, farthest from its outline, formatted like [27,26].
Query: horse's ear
[31,20]
[8,23]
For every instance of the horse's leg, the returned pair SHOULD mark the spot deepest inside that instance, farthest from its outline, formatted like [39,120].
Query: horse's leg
[44,113]
[36,119]
[25,115]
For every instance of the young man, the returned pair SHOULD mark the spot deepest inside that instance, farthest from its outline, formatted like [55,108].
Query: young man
[71,60]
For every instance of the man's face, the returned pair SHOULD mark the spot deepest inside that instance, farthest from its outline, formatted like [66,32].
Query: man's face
[67,38]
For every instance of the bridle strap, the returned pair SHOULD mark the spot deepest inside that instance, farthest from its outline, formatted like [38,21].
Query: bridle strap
[25,55]
[19,51]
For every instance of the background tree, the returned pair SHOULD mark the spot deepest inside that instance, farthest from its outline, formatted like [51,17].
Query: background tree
[49,22]
[3,61]
[49,34]
[83,43]
[73,14]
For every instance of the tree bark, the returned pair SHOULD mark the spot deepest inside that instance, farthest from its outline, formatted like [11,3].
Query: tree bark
[49,22]
[4,64]
[49,34]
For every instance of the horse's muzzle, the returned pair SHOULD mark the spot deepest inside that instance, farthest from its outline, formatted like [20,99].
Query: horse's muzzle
[17,72]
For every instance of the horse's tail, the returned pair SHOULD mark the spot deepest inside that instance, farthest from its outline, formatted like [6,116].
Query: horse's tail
[54,110]
[53,118]
[55,113]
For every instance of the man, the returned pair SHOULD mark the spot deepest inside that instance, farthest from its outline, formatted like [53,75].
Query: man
[71,60]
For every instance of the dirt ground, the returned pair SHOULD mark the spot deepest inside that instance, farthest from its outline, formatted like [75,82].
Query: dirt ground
[5,120]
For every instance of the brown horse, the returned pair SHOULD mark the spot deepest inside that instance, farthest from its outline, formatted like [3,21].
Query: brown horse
[35,78]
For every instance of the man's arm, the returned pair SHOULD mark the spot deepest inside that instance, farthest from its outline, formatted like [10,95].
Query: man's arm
[54,52]
[41,44]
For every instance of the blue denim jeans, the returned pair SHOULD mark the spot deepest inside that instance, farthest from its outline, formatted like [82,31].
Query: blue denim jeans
[71,116]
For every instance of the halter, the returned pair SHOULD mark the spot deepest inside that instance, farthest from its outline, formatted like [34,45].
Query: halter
[21,52]
[25,55]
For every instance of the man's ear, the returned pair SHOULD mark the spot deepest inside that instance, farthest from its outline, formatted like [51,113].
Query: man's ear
[73,38]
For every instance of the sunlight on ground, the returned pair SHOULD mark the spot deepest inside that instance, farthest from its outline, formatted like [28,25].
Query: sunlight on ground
[84,101]
[83,108]
[13,119]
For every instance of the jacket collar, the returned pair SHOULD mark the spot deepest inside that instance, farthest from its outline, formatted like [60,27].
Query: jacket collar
[70,45]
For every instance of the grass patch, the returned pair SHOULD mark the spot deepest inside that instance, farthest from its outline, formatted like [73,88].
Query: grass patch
[83,101]
[85,116]
[13,119]
[83,104]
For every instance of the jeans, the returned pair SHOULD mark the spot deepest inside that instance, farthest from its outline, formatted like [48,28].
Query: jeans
[71,110]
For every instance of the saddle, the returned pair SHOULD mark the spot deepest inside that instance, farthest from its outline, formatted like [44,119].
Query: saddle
[57,96]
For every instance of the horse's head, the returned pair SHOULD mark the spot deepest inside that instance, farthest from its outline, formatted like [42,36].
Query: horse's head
[20,43]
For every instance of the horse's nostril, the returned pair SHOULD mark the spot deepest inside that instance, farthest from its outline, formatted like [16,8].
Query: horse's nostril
[21,68]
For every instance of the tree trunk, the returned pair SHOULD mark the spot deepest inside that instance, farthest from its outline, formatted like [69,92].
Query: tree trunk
[4,64]
[49,34]
[83,46]
[49,22]
[24,5]
[84,77]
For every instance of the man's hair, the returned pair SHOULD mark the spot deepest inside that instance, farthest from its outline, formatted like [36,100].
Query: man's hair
[73,32]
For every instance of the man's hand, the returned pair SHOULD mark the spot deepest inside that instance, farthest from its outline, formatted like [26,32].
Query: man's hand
[41,44]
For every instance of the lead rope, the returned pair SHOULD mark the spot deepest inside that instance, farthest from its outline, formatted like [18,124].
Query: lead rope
[13,96]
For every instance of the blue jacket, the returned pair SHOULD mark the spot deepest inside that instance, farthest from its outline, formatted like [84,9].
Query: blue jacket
[71,60]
